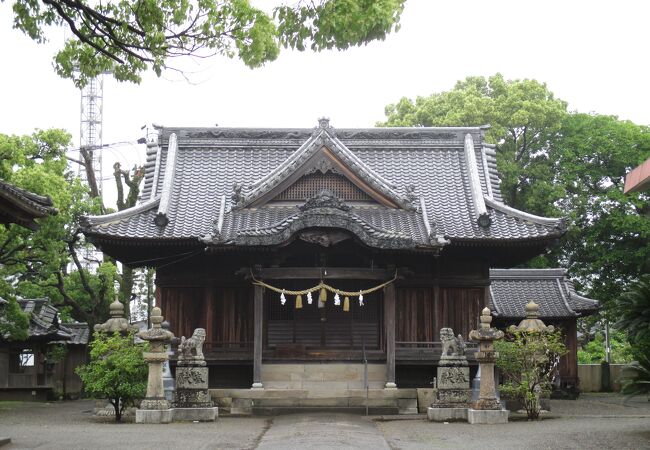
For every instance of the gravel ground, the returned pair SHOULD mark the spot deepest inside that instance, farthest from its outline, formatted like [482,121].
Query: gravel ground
[597,421]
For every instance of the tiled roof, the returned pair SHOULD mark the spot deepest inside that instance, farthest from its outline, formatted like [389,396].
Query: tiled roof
[432,195]
[22,207]
[512,289]
[80,333]
[43,319]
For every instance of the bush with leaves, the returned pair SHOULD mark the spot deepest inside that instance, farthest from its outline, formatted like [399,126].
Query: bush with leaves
[117,370]
[636,378]
[528,362]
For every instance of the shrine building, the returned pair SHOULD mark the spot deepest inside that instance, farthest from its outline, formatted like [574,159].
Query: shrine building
[325,258]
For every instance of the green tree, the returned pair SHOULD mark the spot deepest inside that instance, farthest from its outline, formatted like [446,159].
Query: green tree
[556,164]
[116,371]
[50,261]
[607,244]
[528,363]
[128,37]
[523,116]
[594,351]
[14,322]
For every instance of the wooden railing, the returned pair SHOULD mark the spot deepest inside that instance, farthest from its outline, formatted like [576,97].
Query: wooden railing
[427,351]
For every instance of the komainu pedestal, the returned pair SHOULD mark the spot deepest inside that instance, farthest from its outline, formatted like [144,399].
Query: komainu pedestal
[192,400]
[453,393]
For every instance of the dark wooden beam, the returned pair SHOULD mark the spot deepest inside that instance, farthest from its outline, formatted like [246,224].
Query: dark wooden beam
[258,311]
[389,323]
[324,273]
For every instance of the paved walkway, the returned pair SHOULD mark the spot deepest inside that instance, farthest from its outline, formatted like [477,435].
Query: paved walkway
[593,422]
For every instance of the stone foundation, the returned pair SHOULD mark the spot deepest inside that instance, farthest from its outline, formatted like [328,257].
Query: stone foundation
[487,416]
[447,414]
[196,414]
[154,415]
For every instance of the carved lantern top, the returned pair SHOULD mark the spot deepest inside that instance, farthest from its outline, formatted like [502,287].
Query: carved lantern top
[485,331]
[117,322]
[532,323]
[156,334]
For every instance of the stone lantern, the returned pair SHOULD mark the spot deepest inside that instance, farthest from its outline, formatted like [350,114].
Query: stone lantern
[487,408]
[155,408]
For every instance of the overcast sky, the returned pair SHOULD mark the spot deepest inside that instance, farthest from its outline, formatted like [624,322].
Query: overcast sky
[593,54]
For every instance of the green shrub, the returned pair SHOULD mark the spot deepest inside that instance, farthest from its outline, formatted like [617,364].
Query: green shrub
[528,364]
[116,371]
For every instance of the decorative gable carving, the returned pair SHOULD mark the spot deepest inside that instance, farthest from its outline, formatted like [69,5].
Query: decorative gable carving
[323,153]
[311,184]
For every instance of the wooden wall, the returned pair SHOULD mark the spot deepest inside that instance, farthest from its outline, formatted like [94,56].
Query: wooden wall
[226,313]
[422,311]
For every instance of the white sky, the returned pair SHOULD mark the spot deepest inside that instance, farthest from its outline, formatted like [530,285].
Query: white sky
[593,54]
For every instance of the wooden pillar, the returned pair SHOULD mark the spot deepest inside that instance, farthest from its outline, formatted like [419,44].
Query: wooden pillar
[389,326]
[258,312]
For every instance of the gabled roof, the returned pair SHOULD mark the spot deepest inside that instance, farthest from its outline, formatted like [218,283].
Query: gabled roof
[216,187]
[23,207]
[551,289]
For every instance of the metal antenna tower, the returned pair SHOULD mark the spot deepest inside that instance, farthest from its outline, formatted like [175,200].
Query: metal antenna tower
[92,108]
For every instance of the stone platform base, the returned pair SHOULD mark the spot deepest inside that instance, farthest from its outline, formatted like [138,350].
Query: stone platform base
[153,415]
[278,401]
[196,414]
[446,414]
[487,416]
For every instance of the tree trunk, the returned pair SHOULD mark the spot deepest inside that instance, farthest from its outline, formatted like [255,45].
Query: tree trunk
[126,289]
[118,410]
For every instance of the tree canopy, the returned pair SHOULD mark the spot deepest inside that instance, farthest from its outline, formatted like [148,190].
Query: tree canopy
[556,164]
[51,261]
[128,37]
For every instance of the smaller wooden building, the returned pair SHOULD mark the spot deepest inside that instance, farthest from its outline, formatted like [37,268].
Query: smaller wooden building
[559,305]
[26,372]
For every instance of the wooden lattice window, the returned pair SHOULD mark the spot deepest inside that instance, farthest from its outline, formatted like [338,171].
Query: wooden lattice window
[309,185]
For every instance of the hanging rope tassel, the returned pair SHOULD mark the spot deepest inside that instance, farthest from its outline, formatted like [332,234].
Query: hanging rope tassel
[309,299]
[283,299]
[298,301]
[346,304]
[337,299]
[323,295]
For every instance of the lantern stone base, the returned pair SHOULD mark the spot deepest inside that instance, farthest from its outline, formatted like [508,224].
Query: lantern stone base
[154,415]
[446,414]
[487,416]
[196,414]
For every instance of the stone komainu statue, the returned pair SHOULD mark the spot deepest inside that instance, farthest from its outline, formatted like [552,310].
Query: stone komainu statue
[451,346]
[192,348]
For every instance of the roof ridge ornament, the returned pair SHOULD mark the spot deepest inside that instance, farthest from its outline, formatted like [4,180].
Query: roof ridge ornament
[324,123]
